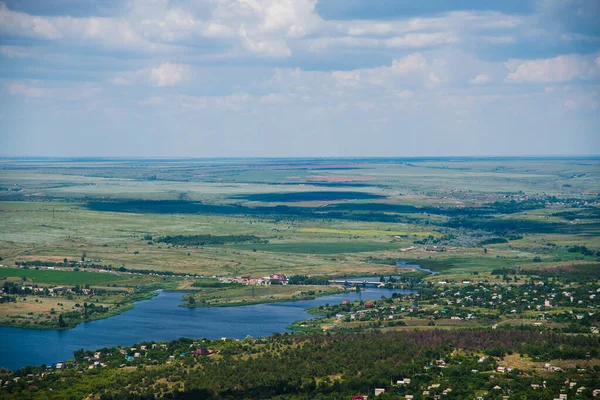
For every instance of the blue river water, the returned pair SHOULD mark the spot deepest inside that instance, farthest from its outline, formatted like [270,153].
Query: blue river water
[161,319]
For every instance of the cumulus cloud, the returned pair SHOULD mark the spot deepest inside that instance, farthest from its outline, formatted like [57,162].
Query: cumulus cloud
[411,63]
[562,68]
[21,24]
[421,40]
[480,79]
[168,74]
[346,78]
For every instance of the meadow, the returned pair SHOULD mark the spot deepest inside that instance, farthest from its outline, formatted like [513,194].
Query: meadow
[73,278]
[316,217]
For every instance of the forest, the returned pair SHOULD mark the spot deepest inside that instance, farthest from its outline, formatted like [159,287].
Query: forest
[317,366]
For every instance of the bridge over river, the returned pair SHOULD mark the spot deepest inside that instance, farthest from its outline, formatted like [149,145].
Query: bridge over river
[352,282]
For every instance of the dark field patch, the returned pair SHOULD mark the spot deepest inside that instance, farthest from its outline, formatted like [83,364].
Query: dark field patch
[524,226]
[307,196]
[587,213]
[207,240]
[318,248]
[367,212]
[574,272]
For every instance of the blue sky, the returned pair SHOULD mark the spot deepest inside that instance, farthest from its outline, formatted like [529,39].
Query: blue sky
[258,78]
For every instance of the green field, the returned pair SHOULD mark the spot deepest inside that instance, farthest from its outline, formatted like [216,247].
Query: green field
[60,277]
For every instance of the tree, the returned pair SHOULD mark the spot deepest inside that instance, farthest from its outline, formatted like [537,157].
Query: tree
[191,300]
[83,257]
[61,321]
[65,260]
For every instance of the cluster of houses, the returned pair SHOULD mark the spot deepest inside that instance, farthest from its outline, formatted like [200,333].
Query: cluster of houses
[435,392]
[513,299]
[272,279]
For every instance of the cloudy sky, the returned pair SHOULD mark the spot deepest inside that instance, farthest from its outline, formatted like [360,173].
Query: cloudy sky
[212,78]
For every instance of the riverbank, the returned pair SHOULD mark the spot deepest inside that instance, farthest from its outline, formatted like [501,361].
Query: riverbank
[70,319]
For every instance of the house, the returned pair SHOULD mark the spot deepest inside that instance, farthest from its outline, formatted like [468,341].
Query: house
[360,397]
[59,365]
[203,351]
[378,391]
[277,279]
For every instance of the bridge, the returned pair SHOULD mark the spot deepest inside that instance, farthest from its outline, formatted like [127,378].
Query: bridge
[352,283]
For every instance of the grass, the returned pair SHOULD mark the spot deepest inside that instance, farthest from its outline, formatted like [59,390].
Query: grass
[318,248]
[255,294]
[81,277]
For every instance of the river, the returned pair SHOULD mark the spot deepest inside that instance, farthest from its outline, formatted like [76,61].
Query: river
[161,319]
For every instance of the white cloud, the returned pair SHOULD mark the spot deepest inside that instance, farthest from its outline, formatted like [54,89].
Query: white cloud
[270,48]
[168,74]
[433,79]
[347,78]
[21,24]
[562,68]
[20,88]
[480,79]
[411,63]
[421,40]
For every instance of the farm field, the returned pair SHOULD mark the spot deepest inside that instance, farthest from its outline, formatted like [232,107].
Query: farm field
[61,277]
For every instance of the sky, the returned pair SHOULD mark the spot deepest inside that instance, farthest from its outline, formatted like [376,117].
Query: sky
[299,78]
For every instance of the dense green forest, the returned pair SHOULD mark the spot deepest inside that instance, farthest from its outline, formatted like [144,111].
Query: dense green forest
[317,366]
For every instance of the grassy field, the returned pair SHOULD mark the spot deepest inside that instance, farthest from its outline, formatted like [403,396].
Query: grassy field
[244,295]
[60,277]
[45,212]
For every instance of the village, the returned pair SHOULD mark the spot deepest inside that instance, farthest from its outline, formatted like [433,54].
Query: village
[571,308]
[272,279]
